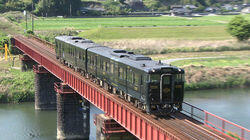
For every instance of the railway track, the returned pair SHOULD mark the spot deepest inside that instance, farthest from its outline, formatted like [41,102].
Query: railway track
[177,123]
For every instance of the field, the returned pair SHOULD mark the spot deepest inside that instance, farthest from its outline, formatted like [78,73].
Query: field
[90,23]
[179,32]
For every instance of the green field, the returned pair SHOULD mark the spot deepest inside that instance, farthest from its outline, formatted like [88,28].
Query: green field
[216,62]
[90,23]
[193,32]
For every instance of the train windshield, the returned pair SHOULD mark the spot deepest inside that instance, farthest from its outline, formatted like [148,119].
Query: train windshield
[155,78]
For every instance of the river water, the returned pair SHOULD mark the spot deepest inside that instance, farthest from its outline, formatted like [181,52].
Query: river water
[22,122]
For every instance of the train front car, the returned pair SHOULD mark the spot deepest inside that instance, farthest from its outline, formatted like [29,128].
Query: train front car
[166,89]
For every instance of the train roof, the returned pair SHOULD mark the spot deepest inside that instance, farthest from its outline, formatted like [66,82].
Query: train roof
[78,41]
[137,61]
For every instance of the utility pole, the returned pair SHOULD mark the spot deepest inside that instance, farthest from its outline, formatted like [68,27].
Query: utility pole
[70,11]
[25,14]
[32,17]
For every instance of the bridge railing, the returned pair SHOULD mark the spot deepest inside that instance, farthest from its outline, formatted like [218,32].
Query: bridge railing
[193,112]
[217,123]
[225,126]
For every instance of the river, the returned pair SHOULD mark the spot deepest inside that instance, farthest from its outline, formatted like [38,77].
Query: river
[22,122]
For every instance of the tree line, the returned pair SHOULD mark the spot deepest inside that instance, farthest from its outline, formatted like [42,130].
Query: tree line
[112,7]
[43,7]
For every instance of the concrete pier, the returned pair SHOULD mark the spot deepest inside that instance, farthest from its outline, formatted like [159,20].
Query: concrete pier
[109,129]
[26,63]
[72,117]
[45,95]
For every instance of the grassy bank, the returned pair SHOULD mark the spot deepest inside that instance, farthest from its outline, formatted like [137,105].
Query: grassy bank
[201,77]
[15,86]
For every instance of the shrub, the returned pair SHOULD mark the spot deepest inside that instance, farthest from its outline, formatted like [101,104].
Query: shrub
[239,28]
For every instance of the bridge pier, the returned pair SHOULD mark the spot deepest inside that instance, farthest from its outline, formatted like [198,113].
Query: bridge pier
[109,129]
[26,63]
[45,95]
[72,114]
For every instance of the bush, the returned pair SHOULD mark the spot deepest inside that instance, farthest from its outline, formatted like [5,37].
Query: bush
[239,28]
[30,32]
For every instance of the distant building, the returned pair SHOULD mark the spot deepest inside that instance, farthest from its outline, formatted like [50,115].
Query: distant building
[246,10]
[212,9]
[191,7]
[227,7]
[179,10]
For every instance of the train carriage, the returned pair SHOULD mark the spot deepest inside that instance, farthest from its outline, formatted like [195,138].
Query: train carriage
[150,85]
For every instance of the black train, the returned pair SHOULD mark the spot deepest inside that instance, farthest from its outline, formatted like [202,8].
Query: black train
[150,85]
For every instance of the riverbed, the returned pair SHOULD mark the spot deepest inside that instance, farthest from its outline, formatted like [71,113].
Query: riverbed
[22,122]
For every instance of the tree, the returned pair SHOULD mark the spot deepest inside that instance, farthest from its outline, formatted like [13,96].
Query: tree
[239,28]
[152,4]
[115,8]
[58,7]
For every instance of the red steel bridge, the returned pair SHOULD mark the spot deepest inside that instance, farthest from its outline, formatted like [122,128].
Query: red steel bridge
[191,123]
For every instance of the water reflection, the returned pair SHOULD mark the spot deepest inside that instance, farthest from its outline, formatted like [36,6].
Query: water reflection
[231,104]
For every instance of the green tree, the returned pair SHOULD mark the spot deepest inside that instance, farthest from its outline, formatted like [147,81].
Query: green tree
[239,28]
[152,4]
[115,8]
[58,7]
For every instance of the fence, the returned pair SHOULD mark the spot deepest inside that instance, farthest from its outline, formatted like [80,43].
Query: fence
[217,123]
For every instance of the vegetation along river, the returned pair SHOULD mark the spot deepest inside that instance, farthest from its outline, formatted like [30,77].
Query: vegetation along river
[22,122]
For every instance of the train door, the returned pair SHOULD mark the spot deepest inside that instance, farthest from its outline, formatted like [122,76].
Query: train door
[166,88]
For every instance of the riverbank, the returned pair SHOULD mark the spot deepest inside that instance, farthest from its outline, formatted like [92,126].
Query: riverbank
[15,86]
[202,77]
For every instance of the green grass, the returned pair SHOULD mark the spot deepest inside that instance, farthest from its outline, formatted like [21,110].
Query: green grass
[193,33]
[20,86]
[90,23]
[216,62]
[222,18]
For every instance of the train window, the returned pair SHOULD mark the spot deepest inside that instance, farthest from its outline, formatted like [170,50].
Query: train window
[101,64]
[137,79]
[133,78]
[155,77]
[129,75]
[93,60]
[141,81]
[179,78]
[89,59]
[104,66]
[120,72]
[183,77]
[166,80]
[112,68]
[124,73]
[83,56]
[107,67]
[80,55]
